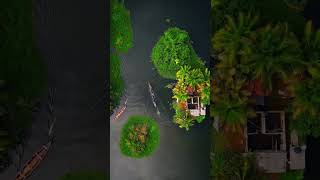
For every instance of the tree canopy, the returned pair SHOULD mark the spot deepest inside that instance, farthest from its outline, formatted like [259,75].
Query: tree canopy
[172,51]
[139,137]
[276,53]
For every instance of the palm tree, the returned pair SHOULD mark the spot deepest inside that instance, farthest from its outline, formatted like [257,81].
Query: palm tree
[231,88]
[306,97]
[232,112]
[231,42]
[276,55]
[311,47]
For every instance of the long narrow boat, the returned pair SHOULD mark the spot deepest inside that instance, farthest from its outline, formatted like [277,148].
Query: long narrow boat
[153,98]
[34,162]
[121,110]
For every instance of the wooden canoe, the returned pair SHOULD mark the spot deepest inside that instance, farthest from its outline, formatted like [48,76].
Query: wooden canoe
[33,163]
[121,111]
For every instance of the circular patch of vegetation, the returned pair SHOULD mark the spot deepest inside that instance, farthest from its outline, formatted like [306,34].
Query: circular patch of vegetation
[172,51]
[85,175]
[139,137]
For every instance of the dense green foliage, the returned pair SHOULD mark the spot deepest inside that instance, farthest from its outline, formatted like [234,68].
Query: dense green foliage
[271,49]
[182,117]
[270,11]
[233,42]
[247,52]
[121,34]
[306,108]
[121,38]
[276,54]
[174,58]
[230,165]
[172,51]
[85,175]
[232,112]
[21,72]
[226,164]
[139,137]
[197,81]
[305,105]
[116,82]
[292,175]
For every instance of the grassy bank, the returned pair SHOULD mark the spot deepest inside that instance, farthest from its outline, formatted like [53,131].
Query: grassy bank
[121,40]
[116,81]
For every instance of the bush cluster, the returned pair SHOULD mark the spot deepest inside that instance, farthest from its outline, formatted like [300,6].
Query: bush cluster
[172,51]
[139,137]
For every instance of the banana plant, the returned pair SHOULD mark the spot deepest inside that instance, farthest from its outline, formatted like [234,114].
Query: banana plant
[277,54]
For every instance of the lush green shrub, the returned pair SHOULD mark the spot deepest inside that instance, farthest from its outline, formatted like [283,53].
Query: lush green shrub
[121,34]
[172,51]
[85,175]
[116,82]
[292,175]
[139,137]
[231,165]
[182,117]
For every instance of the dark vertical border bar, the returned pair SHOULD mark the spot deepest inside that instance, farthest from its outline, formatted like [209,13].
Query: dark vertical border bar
[313,144]
[107,48]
